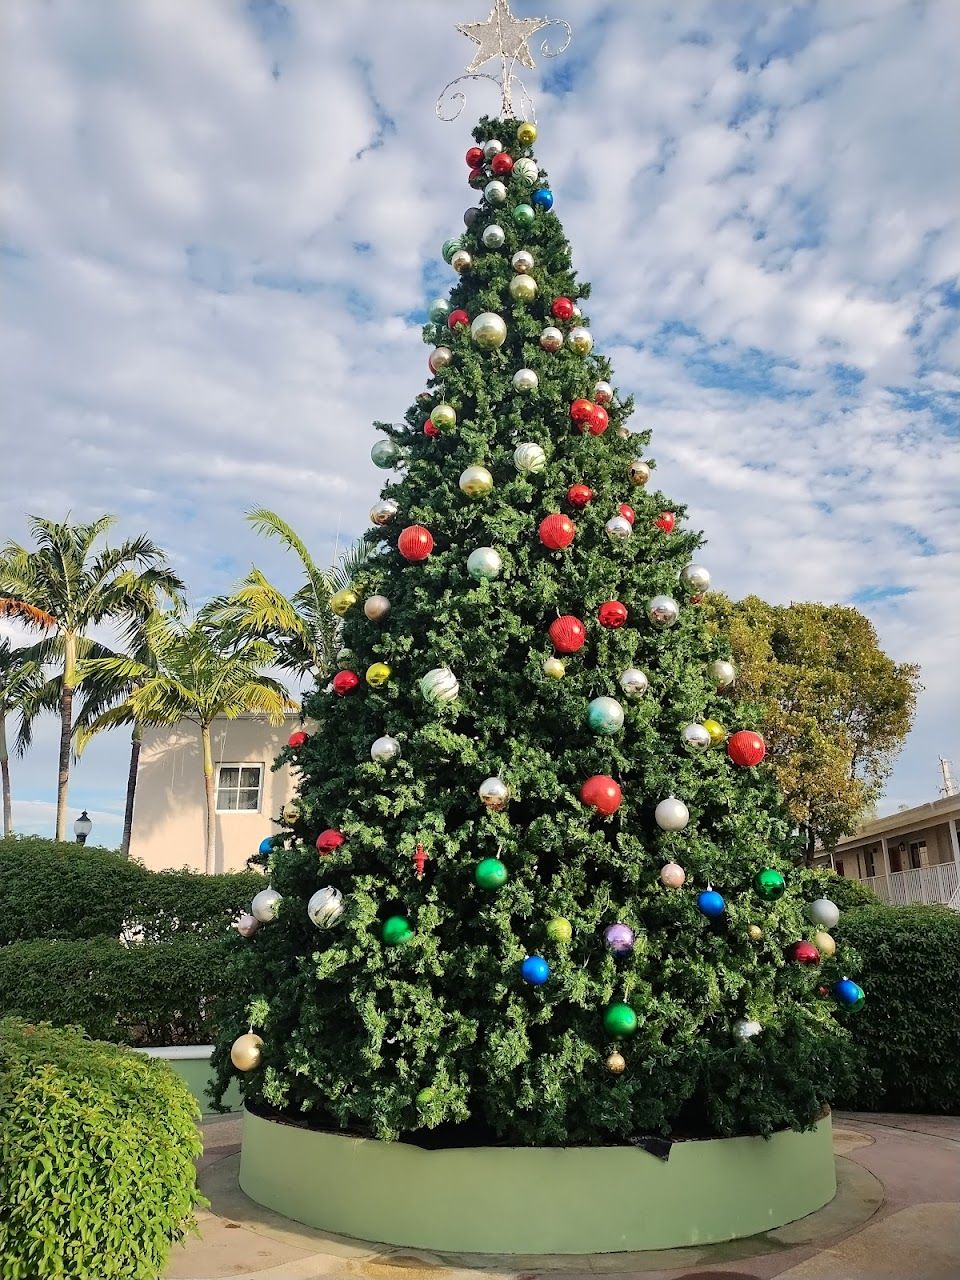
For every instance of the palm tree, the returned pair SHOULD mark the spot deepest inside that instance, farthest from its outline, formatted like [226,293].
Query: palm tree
[191,673]
[301,627]
[64,586]
[20,679]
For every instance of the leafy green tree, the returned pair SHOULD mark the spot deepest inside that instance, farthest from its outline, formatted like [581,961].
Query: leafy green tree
[469,981]
[65,585]
[20,679]
[184,671]
[835,708]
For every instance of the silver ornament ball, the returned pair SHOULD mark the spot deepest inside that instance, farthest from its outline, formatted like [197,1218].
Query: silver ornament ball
[495,192]
[493,236]
[663,611]
[696,737]
[696,578]
[384,750]
[266,905]
[634,682]
[440,357]
[461,261]
[325,907]
[495,794]
[618,529]
[526,380]
[484,564]
[722,673]
[475,480]
[384,511]
[522,262]
[603,392]
[492,148]
[551,339]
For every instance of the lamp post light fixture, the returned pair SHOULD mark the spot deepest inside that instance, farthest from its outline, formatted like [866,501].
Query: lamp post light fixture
[82,827]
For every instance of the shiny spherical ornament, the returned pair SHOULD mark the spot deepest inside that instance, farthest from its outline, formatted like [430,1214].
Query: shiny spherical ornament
[265,905]
[325,907]
[440,685]
[529,458]
[746,1028]
[561,308]
[385,454]
[634,682]
[443,415]
[746,748]
[551,339]
[616,1064]
[470,216]
[612,614]
[461,261]
[527,133]
[494,794]
[377,674]
[543,199]
[495,192]
[665,521]
[605,716]
[492,148]
[535,971]
[711,904]
[502,165]
[695,737]
[581,411]
[345,682]
[619,1020]
[526,380]
[554,669]
[663,611]
[493,236]
[490,874]
[580,340]
[458,319]
[639,472]
[620,938]
[580,495]
[522,262]
[523,214]
[290,813]
[449,248]
[245,1051]
[266,845]
[438,310]
[343,601]
[718,734]
[475,481]
[415,543]
[523,288]
[672,875]
[722,673]
[769,884]
[439,358]
[849,993]
[617,529]
[396,930]
[330,841]
[489,331]
[628,513]
[599,421]
[384,750]
[567,633]
[559,930]
[527,170]
[754,932]
[823,913]
[477,177]
[376,608]
[383,512]
[297,739]
[345,659]
[484,564]
[603,392]
[474,157]
[247,925]
[671,814]
[577,313]
[556,531]
[825,944]
[695,578]
[803,953]
[602,794]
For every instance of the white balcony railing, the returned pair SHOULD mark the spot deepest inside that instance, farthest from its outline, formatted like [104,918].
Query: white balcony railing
[939,883]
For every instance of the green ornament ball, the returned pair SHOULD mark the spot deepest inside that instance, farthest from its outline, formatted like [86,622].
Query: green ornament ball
[385,454]
[769,884]
[491,873]
[450,247]
[560,929]
[523,215]
[605,716]
[396,930]
[439,310]
[619,1020]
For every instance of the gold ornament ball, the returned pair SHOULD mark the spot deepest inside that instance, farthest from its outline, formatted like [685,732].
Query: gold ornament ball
[554,668]
[383,512]
[639,471]
[527,133]
[523,288]
[580,339]
[245,1052]
[378,673]
[476,481]
[616,1064]
[825,944]
[290,812]
[717,732]
[461,261]
[754,932]
[489,331]
[343,602]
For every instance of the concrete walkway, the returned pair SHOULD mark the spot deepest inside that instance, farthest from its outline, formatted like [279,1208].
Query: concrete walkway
[896,1216]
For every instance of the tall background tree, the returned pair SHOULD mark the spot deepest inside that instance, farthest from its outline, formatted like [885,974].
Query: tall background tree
[835,708]
[66,585]
[20,679]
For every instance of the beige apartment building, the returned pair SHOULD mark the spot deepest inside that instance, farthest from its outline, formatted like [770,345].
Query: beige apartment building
[170,815]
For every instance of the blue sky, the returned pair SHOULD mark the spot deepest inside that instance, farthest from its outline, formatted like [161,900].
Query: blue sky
[222,224]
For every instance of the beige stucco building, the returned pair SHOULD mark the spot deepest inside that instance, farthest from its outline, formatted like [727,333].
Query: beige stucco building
[169,815]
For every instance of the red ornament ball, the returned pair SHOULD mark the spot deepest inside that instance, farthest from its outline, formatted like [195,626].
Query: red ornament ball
[627,512]
[612,614]
[415,542]
[474,157]
[581,411]
[746,748]
[431,429]
[579,495]
[297,739]
[665,521]
[602,793]
[803,953]
[329,841]
[457,319]
[345,682]
[557,531]
[567,634]
[477,176]
[561,308]
[599,421]
[502,164]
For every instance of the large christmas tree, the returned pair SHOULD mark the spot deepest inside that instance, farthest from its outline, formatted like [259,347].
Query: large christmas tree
[538,884]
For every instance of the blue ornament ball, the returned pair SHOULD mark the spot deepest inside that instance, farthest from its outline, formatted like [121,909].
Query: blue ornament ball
[535,970]
[848,992]
[711,904]
[266,844]
[543,198]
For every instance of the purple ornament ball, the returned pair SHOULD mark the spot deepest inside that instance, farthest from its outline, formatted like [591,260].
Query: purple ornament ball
[620,938]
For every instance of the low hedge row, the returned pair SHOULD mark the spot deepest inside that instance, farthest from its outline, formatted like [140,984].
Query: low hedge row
[98,1145]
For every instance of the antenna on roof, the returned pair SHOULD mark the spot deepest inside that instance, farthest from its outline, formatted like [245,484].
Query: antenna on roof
[949,787]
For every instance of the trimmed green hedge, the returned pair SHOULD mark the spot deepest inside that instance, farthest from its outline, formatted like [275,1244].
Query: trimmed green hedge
[909,1026]
[155,994]
[849,895]
[98,1143]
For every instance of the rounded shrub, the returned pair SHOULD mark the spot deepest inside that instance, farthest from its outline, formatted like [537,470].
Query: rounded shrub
[849,895]
[97,1150]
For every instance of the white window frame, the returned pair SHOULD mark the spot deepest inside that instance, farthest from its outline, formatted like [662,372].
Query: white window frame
[240,764]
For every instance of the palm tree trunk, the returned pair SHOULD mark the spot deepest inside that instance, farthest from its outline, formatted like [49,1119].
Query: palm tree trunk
[66,729]
[209,852]
[136,739]
[5,770]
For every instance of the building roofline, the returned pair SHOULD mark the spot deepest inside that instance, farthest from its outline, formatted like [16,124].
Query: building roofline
[920,815]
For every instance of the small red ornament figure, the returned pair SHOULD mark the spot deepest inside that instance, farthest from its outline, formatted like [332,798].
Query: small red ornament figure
[477,177]
[557,531]
[567,633]
[431,429]
[665,521]
[803,953]
[746,748]
[612,614]
[474,157]
[420,860]
[598,420]
[457,319]
[297,739]
[579,495]
[696,599]
[345,682]
[415,543]
[581,411]
[627,512]
[561,308]
[602,793]
[502,164]
[329,841]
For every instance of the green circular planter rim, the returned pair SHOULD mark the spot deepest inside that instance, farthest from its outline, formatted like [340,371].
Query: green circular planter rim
[536,1200]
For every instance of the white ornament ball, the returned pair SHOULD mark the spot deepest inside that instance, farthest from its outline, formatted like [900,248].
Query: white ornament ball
[527,170]
[526,380]
[495,192]
[696,578]
[376,608]
[602,392]
[440,685]
[580,339]
[523,288]
[384,750]
[529,457]
[576,314]
[522,262]
[484,564]
[265,905]
[495,794]
[493,236]
[325,907]
[551,339]
[823,913]
[722,673]
[245,1051]
[696,737]
[663,611]
[746,1028]
[618,529]
[492,148]
[634,682]
[671,814]
[489,330]
[384,511]
[461,261]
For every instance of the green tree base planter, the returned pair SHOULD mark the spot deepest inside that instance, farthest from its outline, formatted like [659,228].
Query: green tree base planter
[536,1199]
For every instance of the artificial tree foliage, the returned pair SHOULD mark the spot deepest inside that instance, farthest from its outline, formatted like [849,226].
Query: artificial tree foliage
[441,1033]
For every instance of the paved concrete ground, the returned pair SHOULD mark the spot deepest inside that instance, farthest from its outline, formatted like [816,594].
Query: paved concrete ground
[896,1217]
